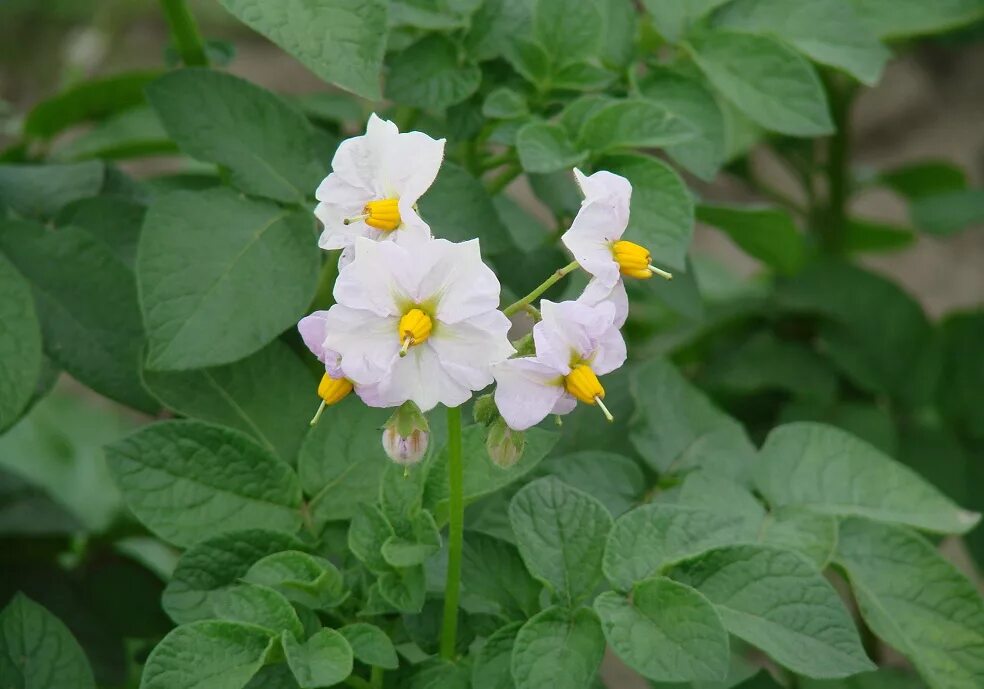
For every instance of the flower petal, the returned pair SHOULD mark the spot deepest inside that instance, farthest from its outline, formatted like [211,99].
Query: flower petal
[571,330]
[367,343]
[456,279]
[411,164]
[610,353]
[421,378]
[360,161]
[602,220]
[469,348]
[608,190]
[596,293]
[526,391]
[380,278]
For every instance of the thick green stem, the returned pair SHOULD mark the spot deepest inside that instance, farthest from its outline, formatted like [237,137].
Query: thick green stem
[543,287]
[456,534]
[376,677]
[185,33]
[833,229]
[499,183]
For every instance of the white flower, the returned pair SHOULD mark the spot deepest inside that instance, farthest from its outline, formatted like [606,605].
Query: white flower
[575,343]
[416,321]
[375,182]
[595,239]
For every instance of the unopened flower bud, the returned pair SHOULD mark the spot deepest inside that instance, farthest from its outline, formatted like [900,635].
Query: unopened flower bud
[504,445]
[406,435]
[485,411]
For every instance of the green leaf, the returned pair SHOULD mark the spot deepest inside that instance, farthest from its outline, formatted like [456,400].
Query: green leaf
[273,677]
[257,605]
[903,18]
[928,178]
[948,213]
[458,208]
[531,60]
[863,235]
[332,107]
[693,102]
[219,655]
[662,217]
[430,74]
[794,528]
[492,668]
[370,645]
[561,534]
[134,133]
[39,191]
[482,476]
[214,563]
[404,589]
[342,461]
[20,345]
[505,104]
[883,678]
[495,25]
[113,220]
[633,123]
[268,146]
[341,41]
[568,32]
[916,601]
[301,578]
[775,600]
[962,380]
[27,510]
[828,31]
[674,17]
[666,631]
[207,258]
[241,395]
[423,541]
[37,651]
[558,648]
[646,540]
[545,147]
[87,305]
[367,533]
[671,415]
[493,571]
[321,661]
[833,472]
[438,673]
[187,480]
[768,234]
[93,99]
[615,480]
[772,84]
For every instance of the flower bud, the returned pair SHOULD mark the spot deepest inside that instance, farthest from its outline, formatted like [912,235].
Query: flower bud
[406,435]
[504,445]
[485,411]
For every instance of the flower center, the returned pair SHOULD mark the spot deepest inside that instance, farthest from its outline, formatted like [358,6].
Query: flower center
[583,384]
[383,214]
[635,261]
[414,328]
[333,390]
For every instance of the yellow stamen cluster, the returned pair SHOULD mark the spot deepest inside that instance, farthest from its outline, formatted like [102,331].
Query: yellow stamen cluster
[383,214]
[584,385]
[331,391]
[414,328]
[635,261]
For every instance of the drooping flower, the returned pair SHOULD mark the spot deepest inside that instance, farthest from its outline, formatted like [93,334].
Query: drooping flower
[416,321]
[374,185]
[334,386]
[575,343]
[406,435]
[595,239]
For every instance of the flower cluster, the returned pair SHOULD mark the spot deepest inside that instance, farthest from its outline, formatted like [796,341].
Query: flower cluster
[416,319]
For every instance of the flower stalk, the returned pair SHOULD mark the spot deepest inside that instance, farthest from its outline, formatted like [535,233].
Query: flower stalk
[184,31]
[456,532]
[543,287]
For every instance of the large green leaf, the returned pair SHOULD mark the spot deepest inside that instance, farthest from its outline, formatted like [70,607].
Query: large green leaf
[219,655]
[771,83]
[37,651]
[268,147]
[39,191]
[828,31]
[268,395]
[495,24]
[87,304]
[545,147]
[666,631]
[768,234]
[916,601]
[321,661]
[902,18]
[430,74]
[214,563]
[134,133]
[615,480]
[633,123]
[113,220]
[492,668]
[560,648]
[568,32]
[259,605]
[188,480]
[305,579]
[458,208]
[777,601]
[561,534]
[370,645]
[220,276]
[20,344]
[493,571]
[674,17]
[342,41]
[833,472]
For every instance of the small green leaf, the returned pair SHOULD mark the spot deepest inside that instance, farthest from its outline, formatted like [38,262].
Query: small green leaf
[214,563]
[430,74]
[492,668]
[423,541]
[505,104]
[405,589]
[568,32]
[370,645]
[493,570]
[558,648]
[458,208]
[134,133]
[20,345]
[772,84]
[39,191]
[368,531]
[775,600]
[342,41]
[561,535]
[633,123]
[37,651]
[833,472]
[495,25]
[321,661]
[768,234]
[928,178]
[219,655]
[871,236]
[207,258]
[903,18]
[545,147]
[301,578]
[666,631]
[948,213]
[674,17]
[188,480]
[258,605]
[915,601]
[268,147]
[530,59]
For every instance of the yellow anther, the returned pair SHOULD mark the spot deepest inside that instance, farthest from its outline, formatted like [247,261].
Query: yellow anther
[414,328]
[585,386]
[633,260]
[331,391]
[383,214]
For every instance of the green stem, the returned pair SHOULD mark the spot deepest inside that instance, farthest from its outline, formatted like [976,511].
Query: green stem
[357,682]
[833,229]
[502,181]
[376,677]
[543,287]
[185,33]
[456,534]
